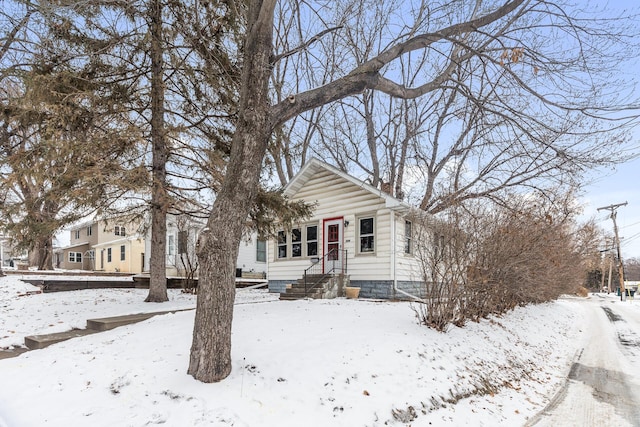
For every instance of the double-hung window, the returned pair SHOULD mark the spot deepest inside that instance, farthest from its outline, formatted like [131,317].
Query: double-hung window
[282,244]
[171,244]
[122,257]
[261,251]
[108,254]
[75,256]
[119,230]
[312,240]
[296,243]
[366,230]
[408,237]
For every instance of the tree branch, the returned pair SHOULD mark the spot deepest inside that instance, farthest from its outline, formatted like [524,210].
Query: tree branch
[366,76]
[303,46]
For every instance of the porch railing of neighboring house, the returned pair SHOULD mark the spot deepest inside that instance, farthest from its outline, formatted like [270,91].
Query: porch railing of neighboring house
[333,262]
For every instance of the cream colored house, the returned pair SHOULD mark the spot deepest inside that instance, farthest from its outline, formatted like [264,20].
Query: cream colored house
[356,230]
[182,234]
[113,245]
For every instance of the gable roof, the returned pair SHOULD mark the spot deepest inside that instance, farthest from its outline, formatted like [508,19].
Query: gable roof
[313,166]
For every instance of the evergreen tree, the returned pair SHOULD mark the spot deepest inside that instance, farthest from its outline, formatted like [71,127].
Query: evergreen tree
[65,150]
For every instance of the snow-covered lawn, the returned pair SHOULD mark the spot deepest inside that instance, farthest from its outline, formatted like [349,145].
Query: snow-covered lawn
[304,363]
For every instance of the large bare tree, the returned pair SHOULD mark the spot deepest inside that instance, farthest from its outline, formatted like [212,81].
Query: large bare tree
[436,145]
[488,42]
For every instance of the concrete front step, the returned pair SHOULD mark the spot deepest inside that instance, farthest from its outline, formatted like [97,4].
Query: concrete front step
[292,294]
[294,297]
[314,285]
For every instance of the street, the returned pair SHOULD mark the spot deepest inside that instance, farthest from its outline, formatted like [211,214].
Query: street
[603,385]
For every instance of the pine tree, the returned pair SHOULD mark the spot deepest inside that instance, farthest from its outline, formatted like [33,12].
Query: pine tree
[65,150]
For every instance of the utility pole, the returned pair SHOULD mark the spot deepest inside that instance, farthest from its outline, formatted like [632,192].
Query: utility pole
[613,208]
[609,258]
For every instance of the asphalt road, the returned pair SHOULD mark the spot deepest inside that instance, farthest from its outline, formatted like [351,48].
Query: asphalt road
[603,385]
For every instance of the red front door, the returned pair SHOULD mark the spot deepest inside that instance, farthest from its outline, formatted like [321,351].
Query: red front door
[332,246]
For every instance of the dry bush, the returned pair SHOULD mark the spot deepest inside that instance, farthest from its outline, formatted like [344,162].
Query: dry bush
[489,260]
[582,292]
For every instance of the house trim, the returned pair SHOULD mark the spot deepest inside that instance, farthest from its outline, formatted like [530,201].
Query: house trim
[313,165]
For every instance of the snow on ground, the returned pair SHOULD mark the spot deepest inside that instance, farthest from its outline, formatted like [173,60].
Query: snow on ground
[295,363]
[22,315]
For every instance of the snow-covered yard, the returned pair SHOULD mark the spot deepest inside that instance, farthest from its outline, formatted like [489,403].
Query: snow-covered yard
[304,363]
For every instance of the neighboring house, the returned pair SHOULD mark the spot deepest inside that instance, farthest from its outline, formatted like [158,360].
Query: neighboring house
[182,235]
[9,255]
[356,229]
[252,258]
[103,245]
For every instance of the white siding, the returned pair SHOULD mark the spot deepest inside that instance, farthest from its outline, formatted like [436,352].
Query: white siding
[408,267]
[247,256]
[337,197]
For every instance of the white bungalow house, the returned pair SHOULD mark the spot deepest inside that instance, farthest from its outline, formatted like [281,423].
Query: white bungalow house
[356,230]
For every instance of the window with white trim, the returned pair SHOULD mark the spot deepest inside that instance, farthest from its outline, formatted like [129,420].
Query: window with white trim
[282,244]
[77,234]
[119,230]
[408,237]
[312,240]
[296,243]
[75,256]
[171,244]
[108,254]
[261,251]
[366,230]
[122,257]
[89,230]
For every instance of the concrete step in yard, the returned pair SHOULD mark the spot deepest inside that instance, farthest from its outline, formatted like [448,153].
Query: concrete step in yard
[12,352]
[34,342]
[107,323]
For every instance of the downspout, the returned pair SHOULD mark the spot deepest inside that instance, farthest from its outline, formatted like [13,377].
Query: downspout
[394,247]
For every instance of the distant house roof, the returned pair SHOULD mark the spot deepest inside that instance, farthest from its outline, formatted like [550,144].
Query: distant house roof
[118,241]
[73,246]
[313,166]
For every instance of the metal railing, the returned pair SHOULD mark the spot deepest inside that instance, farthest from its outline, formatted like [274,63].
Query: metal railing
[333,262]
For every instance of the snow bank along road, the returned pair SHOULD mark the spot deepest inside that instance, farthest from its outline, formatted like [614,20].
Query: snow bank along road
[603,387]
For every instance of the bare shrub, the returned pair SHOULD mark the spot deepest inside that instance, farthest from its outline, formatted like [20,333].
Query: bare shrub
[483,260]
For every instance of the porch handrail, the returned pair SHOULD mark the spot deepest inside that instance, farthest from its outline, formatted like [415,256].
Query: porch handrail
[317,264]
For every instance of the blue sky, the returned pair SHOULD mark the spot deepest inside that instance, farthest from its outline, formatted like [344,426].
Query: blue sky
[612,187]
[609,186]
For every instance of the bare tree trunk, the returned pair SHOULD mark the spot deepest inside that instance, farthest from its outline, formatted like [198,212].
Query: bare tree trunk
[159,199]
[218,244]
[41,255]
